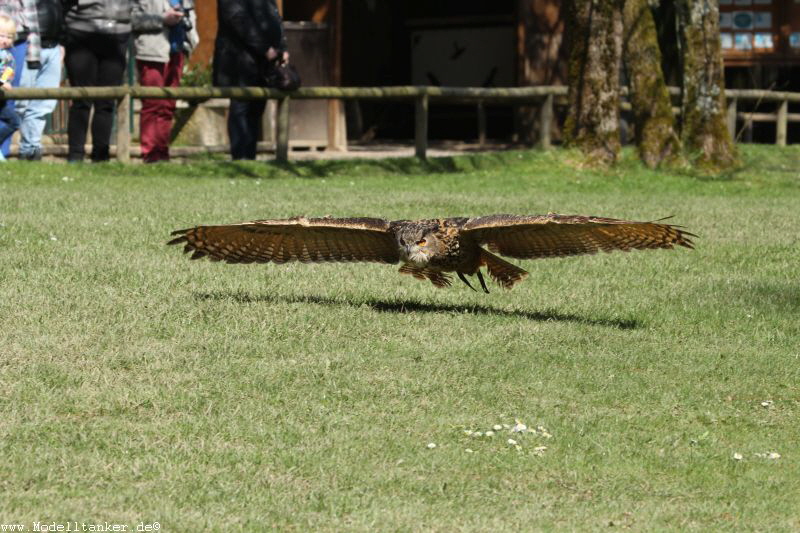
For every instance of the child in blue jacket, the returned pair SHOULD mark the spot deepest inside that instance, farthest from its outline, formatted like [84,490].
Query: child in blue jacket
[9,120]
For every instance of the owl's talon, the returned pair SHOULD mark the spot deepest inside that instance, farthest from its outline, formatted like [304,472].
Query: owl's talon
[483,283]
[465,280]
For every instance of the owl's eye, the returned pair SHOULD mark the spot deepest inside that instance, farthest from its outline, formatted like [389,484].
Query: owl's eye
[422,242]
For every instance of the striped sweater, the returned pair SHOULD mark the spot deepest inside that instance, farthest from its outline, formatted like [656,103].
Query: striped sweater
[24,13]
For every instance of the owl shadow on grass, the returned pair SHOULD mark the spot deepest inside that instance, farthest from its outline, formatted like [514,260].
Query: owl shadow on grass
[411,306]
[325,168]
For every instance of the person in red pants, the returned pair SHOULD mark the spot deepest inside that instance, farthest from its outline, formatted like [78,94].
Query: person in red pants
[165,34]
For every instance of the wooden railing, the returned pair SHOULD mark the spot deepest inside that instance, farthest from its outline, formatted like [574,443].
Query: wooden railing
[781,118]
[422,96]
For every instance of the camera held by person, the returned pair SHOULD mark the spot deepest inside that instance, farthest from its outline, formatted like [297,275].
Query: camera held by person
[186,21]
[179,14]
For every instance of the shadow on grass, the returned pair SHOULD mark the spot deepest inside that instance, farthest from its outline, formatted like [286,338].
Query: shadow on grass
[773,295]
[411,306]
[352,167]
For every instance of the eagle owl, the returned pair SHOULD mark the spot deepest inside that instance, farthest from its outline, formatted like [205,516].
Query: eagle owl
[428,249]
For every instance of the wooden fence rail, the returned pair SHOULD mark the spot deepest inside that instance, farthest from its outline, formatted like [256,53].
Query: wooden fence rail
[422,96]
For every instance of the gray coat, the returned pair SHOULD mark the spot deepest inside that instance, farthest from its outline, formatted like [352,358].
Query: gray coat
[151,42]
[98,16]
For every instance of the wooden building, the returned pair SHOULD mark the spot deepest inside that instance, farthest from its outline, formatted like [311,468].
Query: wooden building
[479,43]
[760,32]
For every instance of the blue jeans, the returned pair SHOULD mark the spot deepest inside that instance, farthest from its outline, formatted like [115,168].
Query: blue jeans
[9,122]
[33,113]
[18,51]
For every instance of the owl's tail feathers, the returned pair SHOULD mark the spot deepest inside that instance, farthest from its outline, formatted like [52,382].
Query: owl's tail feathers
[503,272]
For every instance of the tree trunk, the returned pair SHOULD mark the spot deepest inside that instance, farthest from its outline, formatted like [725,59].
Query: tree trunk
[705,134]
[654,124]
[595,30]
[542,58]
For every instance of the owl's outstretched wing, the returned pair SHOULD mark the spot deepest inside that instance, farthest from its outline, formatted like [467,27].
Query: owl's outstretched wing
[541,236]
[301,239]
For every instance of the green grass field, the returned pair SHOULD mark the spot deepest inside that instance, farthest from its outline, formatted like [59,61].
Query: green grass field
[139,387]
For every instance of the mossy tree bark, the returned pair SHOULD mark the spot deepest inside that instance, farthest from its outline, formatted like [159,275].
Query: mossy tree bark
[704,132]
[542,57]
[595,30]
[654,123]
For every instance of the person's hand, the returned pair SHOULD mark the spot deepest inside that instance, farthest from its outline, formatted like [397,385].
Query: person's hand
[6,86]
[172,16]
[272,55]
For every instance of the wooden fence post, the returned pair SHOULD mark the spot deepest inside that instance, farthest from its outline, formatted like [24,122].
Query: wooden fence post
[282,135]
[481,124]
[780,128]
[124,129]
[732,118]
[545,121]
[421,126]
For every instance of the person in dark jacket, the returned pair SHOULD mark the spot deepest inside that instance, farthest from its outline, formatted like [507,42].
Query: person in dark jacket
[96,44]
[33,113]
[250,38]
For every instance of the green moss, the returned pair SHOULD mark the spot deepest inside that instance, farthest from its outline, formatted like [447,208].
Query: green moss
[705,134]
[654,127]
[593,123]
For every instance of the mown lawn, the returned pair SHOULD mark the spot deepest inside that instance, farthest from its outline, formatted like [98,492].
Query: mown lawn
[139,387]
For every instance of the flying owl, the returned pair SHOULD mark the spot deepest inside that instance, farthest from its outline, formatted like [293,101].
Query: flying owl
[428,249]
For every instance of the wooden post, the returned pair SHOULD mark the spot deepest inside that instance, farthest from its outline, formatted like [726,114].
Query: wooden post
[124,129]
[732,118]
[337,135]
[334,111]
[780,127]
[481,124]
[282,135]
[421,126]
[545,122]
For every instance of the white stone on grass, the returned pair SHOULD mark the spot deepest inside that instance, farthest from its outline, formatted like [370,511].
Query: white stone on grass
[769,455]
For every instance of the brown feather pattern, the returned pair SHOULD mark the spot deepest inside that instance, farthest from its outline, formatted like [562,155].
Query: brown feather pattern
[301,239]
[533,237]
[439,279]
[429,249]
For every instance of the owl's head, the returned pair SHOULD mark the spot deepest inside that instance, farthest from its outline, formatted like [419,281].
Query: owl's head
[417,244]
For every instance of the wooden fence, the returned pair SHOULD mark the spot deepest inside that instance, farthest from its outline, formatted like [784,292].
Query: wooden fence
[543,96]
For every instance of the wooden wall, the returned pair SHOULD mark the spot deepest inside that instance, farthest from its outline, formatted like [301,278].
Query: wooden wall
[206,11]
[294,10]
